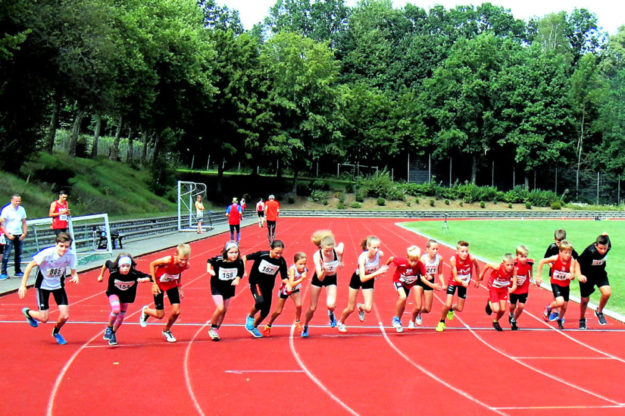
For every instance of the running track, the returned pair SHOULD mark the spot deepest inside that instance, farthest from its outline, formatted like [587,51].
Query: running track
[470,369]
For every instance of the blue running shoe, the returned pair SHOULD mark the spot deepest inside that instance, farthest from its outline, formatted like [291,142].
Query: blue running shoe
[553,316]
[113,339]
[561,323]
[4,276]
[20,274]
[29,318]
[249,323]
[59,338]
[255,332]
[107,333]
[332,319]
[305,332]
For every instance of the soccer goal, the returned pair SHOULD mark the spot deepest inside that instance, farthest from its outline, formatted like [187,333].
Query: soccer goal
[187,192]
[91,236]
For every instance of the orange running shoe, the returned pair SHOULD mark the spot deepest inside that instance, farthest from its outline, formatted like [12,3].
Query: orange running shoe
[267,330]
[298,326]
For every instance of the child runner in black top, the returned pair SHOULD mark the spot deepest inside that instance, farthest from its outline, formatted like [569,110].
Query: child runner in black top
[263,274]
[121,290]
[592,265]
[226,271]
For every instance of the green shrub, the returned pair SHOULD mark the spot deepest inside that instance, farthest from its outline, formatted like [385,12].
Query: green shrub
[416,201]
[528,205]
[556,205]
[381,201]
[320,184]
[356,204]
[461,204]
[447,202]
[291,199]
[482,204]
[510,205]
[349,187]
[318,196]
[340,205]
[359,196]
[432,202]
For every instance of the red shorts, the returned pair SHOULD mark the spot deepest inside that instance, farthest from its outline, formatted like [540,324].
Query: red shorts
[497,294]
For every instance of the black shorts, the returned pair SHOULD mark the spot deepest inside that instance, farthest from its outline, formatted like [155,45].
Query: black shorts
[521,298]
[587,288]
[260,213]
[327,281]
[423,285]
[172,294]
[43,297]
[356,284]
[223,289]
[401,286]
[560,291]
[462,291]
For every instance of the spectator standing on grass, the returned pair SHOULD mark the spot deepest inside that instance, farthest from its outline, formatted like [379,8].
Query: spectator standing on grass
[272,211]
[59,212]
[592,265]
[234,213]
[52,263]
[13,220]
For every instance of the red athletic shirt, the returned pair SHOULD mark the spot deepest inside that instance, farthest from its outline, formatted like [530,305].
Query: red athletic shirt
[464,270]
[234,214]
[405,274]
[559,270]
[272,208]
[168,275]
[60,222]
[500,278]
[523,276]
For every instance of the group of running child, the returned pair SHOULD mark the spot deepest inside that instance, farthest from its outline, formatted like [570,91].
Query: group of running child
[508,282]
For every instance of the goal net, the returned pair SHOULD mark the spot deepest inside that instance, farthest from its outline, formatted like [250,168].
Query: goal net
[187,193]
[91,236]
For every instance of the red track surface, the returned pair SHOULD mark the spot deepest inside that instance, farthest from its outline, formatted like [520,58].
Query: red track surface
[469,369]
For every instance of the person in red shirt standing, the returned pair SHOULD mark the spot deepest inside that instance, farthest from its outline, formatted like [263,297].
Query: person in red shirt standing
[564,268]
[166,275]
[272,211]
[524,275]
[59,212]
[234,213]
[501,278]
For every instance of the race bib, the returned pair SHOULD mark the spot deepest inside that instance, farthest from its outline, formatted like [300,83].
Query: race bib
[600,262]
[520,280]
[409,280]
[121,285]
[63,217]
[165,277]
[466,278]
[56,272]
[331,266]
[227,274]
[267,268]
[501,283]
[559,275]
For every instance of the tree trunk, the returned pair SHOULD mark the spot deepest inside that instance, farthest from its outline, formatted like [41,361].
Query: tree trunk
[295,173]
[130,143]
[96,136]
[473,169]
[54,124]
[580,141]
[157,139]
[114,154]
[73,138]
[144,151]
[220,176]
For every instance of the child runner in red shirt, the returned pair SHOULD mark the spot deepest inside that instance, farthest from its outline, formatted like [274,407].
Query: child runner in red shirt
[408,271]
[462,265]
[524,275]
[502,281]
[166,275]
[564,268]
[433,263]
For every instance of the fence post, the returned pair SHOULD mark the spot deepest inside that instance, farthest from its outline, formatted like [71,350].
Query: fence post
[450,164]
[598,174]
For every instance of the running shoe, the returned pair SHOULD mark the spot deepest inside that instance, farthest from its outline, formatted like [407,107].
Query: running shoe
[255,333]
[59,338]
[411,324]
[332,319]
[249,323]
[107,333]
[450,314]
[32,321]
[513,325]
[298,326]
[561,323]
[4,276]
[488,309]
[169,337]
[440,327]
[214,334]
[601,318]
[19,274]
[546,313]
[553,316]
[361,313]
[143,318]
[341,327]
[397,324]
[497,326]
[305,332]
[418,320]
[510,318]
[267,330]
[582,323]
[113,339]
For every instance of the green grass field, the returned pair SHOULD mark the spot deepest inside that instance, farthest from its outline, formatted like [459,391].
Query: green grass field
[491,239]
